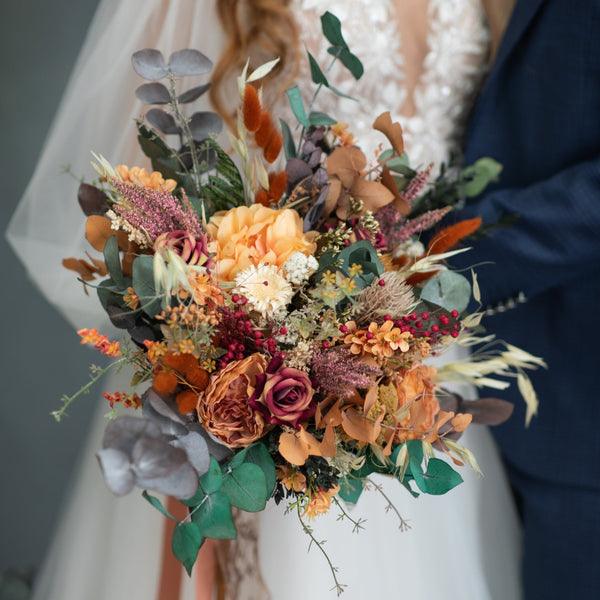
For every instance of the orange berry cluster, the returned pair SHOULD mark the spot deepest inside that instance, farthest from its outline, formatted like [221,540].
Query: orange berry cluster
[182,376]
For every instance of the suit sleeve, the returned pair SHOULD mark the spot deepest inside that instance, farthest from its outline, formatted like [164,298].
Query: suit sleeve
[556,238]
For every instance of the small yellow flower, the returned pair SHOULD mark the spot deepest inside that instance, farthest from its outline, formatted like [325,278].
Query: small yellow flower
[328,278]
[355,270]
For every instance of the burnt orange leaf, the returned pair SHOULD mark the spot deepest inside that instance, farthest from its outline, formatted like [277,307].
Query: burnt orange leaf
[84,269]
[358,427]
[373,194]
[251,108]
[392,131]
[370,399]
[98,230]
[461,421]
[400,204]
[293,449]
[347,163]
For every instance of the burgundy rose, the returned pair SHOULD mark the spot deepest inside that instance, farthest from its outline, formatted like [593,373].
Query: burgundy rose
[283,394]
[193,249]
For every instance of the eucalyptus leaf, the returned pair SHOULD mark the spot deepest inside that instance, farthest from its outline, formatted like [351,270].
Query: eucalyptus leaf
[318,119]
[112,259]
[214,519]
[153,93]
[332,30]
[351,489]
[162,121]
[212,480]
[204,124]
[480,174]
[187,540]
[297,105]
[259,455]
[289,147]
[143,285]
[189,62]
[158,505]
[246,487]
[149,64]
[316,73]
[192,94]
[439,478]
[449,290]
[349,60]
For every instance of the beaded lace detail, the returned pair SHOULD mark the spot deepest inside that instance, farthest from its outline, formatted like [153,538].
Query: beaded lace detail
[456,61]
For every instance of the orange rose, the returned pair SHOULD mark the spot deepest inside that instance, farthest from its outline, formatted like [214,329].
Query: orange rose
[416,384]
[248,236]
[223,407]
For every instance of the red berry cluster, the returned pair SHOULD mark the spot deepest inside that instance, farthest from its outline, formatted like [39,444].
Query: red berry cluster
[430,325]
[238,336]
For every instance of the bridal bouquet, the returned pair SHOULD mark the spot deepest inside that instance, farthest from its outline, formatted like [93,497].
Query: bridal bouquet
[281,308]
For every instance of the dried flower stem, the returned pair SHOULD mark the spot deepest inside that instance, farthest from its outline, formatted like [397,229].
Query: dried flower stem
[338,587]
[68,400]
[404,525]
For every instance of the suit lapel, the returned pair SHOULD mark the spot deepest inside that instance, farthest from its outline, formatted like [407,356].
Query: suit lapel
[522,15]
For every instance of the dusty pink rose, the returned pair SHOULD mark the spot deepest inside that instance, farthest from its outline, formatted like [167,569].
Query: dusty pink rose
[191,248]
[283,394]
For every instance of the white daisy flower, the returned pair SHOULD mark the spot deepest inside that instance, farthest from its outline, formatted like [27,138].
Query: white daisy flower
[268,293]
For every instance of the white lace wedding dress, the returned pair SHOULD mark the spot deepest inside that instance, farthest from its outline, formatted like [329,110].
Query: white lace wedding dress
[461,546]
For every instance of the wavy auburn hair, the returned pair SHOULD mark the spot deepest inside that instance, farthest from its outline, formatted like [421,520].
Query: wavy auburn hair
[261,30]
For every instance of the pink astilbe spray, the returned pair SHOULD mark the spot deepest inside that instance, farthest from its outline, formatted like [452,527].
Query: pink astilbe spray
[337,371]
[155,211]
[422,223]
[416,185]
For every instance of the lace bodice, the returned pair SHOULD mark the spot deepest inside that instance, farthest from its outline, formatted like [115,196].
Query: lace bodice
[455,62]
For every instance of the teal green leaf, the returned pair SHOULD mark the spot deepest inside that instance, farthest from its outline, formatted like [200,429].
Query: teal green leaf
[450,290]
[316,74]
[332,30]
[259,455]
[416,470]
[349,60]
[246,487]
[143,285]
[439,478]
[288,140]
[236,460]
[196,499]
[158,505]
[214,519]
[319,119]
[350,489]
[480,173]
[186,542]
[212,480]
[113,261]
[297,105]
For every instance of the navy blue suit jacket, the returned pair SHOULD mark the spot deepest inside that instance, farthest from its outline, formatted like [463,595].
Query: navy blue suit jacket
[539,115]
